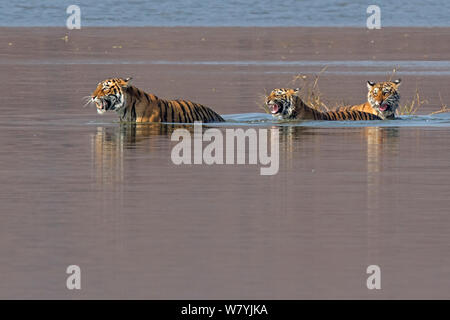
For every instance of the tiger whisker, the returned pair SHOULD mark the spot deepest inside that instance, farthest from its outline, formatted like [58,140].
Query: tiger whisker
[88,103]
[135,105]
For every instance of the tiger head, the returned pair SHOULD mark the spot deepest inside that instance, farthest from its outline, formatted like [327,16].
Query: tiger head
[281,102]
[384,97]
[109,94]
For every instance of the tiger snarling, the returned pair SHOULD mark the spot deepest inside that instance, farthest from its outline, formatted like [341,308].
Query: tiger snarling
[382,99]
[135,105]
[287,105]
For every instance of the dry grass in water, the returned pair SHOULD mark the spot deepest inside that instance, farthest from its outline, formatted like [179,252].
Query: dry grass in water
[444,107]
[412,106]
[309,91]
[311,95]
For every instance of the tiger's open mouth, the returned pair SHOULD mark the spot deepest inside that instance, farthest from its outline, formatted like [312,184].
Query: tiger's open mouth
[383,107]
[102,105]
[274,107]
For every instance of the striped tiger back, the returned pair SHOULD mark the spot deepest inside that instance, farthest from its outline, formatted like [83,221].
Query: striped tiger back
[365,107]
[349,115]
[383,99]
[135,105]
[187,112]
[286,104]
[144,107]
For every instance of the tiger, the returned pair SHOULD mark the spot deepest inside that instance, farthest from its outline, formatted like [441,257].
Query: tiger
[287,105]
[134,105]
[383,99]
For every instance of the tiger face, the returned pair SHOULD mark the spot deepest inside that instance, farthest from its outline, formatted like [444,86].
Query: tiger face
[281,102]
[109,94]
[384,97]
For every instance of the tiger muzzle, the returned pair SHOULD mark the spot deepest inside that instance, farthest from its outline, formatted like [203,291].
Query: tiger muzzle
[383,107]
[102,105]
[275,107]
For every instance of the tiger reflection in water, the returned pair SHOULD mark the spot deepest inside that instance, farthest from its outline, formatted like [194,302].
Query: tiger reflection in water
[307,149]
[109,145]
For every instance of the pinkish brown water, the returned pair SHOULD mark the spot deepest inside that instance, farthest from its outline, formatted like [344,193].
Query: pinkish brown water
[79,188]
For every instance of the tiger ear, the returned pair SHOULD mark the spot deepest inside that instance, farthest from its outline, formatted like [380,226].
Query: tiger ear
[370,84]
[126,81]
[296,91]
[397,82]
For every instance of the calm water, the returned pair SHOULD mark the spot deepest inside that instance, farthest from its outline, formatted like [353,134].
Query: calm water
[225,13]
[403,121]
[108,198]
[79,188]
[366,68]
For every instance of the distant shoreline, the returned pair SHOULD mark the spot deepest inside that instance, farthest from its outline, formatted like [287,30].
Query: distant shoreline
[230,43]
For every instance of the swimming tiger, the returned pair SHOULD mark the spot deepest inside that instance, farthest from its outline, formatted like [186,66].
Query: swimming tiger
[383,99]
[286,104]
[135,105]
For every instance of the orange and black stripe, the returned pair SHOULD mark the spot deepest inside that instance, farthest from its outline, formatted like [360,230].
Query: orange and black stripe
[295,108]
[339,115]
[145,107]
[348,115]
[185,111]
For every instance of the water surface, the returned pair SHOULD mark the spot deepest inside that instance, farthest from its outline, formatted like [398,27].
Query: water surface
[80,188]
[107,197]
[264,13]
